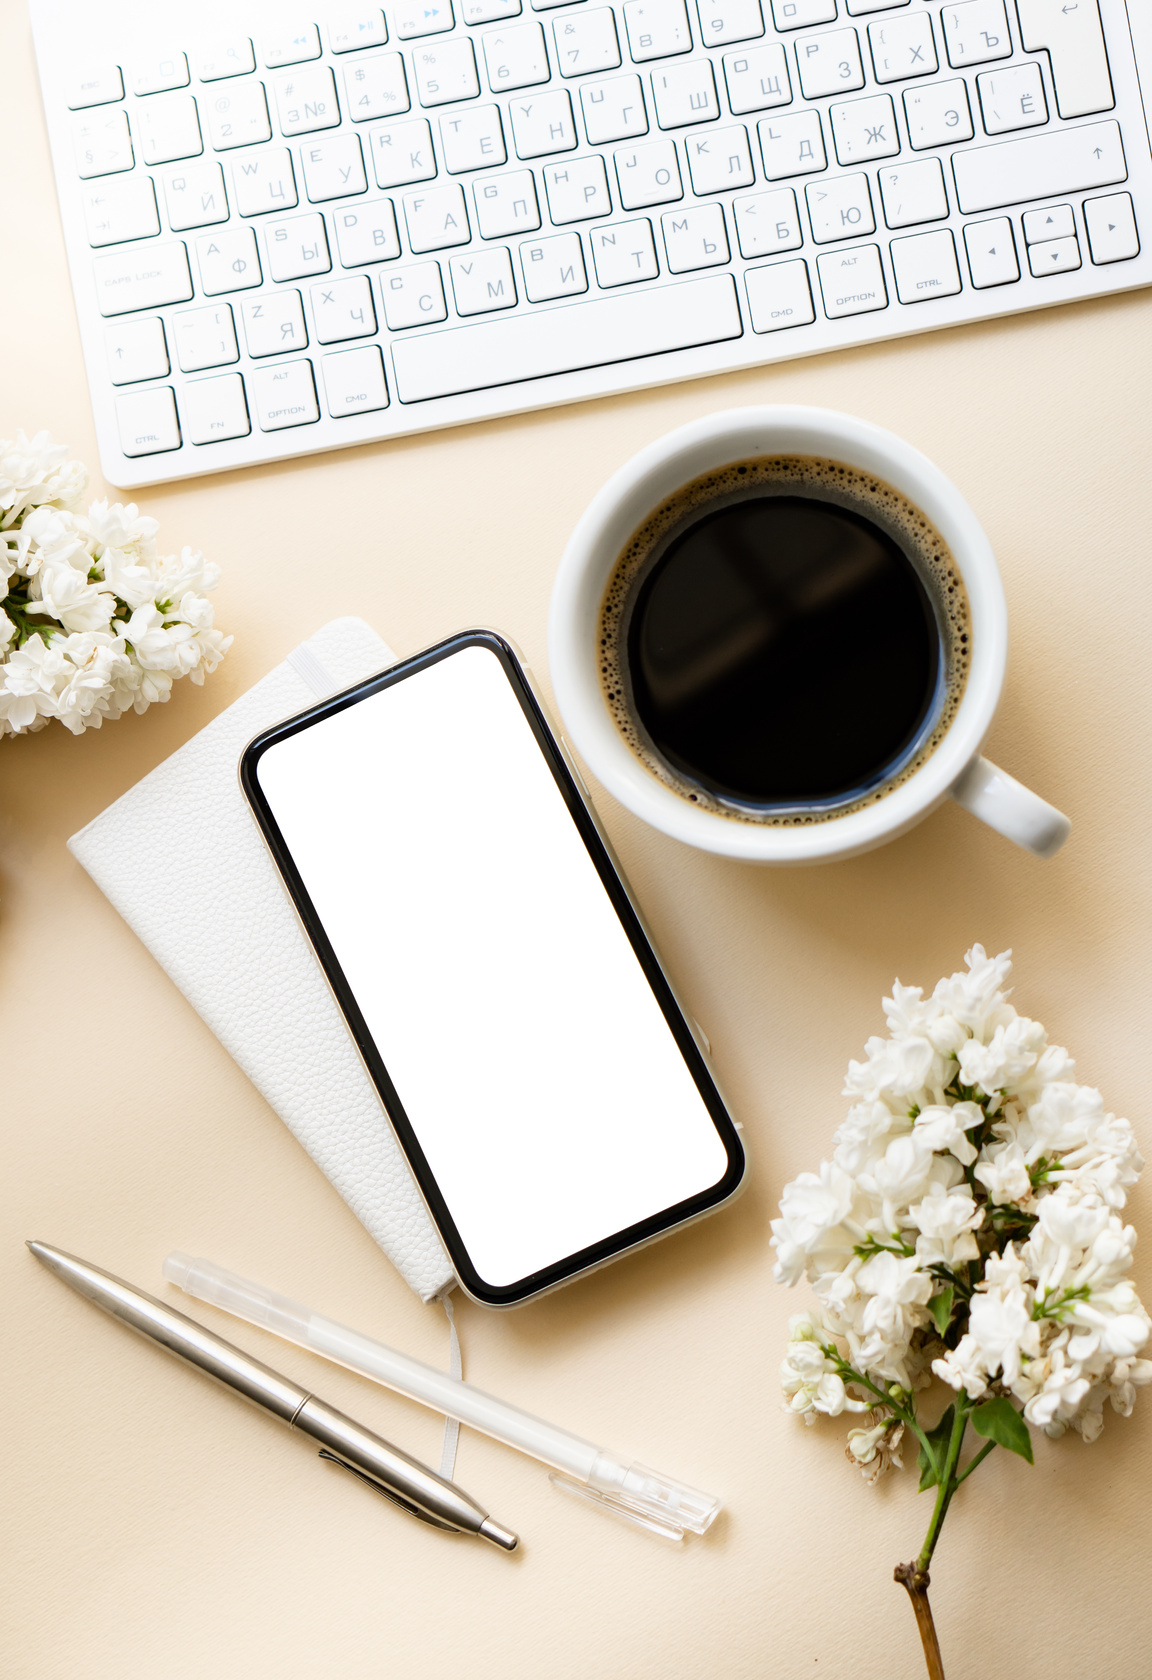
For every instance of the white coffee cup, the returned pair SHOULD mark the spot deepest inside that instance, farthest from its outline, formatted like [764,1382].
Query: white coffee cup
[955,770]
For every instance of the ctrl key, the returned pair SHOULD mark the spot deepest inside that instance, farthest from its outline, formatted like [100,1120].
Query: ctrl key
[148,421]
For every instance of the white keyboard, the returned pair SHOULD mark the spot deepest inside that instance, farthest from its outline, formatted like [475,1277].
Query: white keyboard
[295,232]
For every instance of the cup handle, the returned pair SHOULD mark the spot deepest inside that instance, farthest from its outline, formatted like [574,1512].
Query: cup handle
[1011,809]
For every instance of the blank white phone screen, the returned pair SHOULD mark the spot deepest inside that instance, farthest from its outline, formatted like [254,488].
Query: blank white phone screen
[520,1032]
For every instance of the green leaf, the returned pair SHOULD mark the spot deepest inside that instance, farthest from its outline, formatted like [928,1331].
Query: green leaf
[999,1421]
[939,1437]
[940,1306]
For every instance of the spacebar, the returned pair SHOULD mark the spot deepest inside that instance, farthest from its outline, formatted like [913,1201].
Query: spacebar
[580,335]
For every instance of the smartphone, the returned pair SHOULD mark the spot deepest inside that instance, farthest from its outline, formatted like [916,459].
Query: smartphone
[552,1098]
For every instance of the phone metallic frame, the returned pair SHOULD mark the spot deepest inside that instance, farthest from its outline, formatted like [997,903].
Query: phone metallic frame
[621,1242]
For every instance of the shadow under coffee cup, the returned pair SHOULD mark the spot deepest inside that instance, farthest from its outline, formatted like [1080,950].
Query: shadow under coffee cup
[780,634]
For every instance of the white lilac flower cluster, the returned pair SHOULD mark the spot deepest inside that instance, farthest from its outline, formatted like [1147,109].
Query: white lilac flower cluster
[93,621]
[969,1224]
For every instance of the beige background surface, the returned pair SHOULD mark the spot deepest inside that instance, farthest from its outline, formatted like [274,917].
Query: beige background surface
[156,1530]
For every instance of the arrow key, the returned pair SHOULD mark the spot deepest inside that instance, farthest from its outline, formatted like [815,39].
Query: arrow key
[1055,256]
[1112,235]
[1055,221]
[991,253]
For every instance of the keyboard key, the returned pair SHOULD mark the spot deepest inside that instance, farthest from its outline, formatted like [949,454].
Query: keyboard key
[142,277]
[414,18]
[719,160]
[412,296]
[222,59]
[402,153]
[852,282]
[913,192]
[367,234]
[118,210]
[228,261]
[194,197]
[864,129]
[157,75]
[586,42]
[791,145]
[297,247]
[840,208]
[101,85]
[506,204]
[273,323]
[695,238]
[148,422]
[797,14]
[355,30]
[685,93]
[861,8]
[1012,98]
[354,381]
[136,350]
[1057,222]
[264,181]
[490,11]
[623,252]
[553,268]
[577,191]
[938,114]
[102,144]
[436,218]
[215,409]
[515,58]
[291,44]
[779,296]
[306,101]
[1074,39]
[757,80]
[483,281]
[238,116]
[648,175]
[829,63]
[975,33]
[1058,256]
[445,72]
[903,47]
[1112,235]
[205,338]
[991,253]
[342,309]
[924,266]
[285,395]
[766,223]
[613,110]
[594,333]
[168,128]
[1039,166]
[472,139]
[376,87]
[656,29]
[333,168]
[543,123]
[723,22]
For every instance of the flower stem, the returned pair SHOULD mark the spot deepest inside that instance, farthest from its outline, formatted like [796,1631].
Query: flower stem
[915,1581]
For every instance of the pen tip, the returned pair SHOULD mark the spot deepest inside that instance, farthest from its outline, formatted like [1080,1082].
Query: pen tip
[502,1537]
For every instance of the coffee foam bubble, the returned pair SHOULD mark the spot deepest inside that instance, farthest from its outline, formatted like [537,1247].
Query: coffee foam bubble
[784,475]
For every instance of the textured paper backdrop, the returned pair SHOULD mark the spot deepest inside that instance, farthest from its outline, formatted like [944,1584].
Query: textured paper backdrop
[155,1529]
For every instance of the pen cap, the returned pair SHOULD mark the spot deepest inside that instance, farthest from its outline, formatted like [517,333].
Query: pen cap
[652,1498]
[209,1282]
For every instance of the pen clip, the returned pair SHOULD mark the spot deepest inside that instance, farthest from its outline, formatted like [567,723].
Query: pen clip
[378,1487]
[618,1508]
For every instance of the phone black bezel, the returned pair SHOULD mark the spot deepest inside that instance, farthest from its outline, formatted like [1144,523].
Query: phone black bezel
[632,1236]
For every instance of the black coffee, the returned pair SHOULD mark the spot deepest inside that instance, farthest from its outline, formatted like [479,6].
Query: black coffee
[784,638]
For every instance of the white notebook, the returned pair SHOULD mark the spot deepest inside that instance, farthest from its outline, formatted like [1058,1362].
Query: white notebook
[245,967]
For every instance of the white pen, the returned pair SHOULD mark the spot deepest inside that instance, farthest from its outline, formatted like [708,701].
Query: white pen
[643,1496]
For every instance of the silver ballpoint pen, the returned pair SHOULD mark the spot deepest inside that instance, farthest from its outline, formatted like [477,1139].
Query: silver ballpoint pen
[386,1469]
